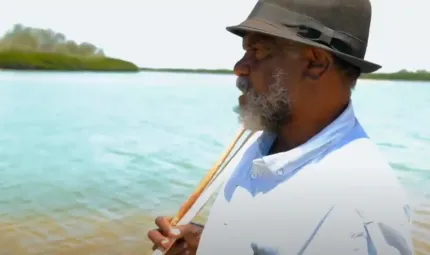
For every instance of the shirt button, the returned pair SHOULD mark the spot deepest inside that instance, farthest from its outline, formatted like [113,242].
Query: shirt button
[280,172]
[253,175]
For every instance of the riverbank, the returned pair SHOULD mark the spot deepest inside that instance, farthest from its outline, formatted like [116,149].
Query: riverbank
[402,75]
[20,60]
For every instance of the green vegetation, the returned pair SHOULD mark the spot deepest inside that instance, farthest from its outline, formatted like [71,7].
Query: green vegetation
[404,75]
[27,48]
[20,60]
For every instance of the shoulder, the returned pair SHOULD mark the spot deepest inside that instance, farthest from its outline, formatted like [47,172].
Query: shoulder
[364,170]
[358,159]
[370,189]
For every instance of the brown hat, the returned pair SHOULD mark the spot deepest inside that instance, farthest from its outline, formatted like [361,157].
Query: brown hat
[339,26]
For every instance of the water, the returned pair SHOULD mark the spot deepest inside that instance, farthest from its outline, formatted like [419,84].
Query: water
[87,160]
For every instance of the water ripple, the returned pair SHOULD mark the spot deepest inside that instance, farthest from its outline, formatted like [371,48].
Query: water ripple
[88,160]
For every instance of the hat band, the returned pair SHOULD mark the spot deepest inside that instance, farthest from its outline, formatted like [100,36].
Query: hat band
[308,28]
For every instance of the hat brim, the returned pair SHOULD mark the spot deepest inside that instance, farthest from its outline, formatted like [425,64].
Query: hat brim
[264,27]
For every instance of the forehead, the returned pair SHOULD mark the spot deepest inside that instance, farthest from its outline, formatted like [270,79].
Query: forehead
[253,39]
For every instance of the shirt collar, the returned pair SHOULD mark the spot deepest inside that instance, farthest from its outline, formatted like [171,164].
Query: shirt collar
[289,161]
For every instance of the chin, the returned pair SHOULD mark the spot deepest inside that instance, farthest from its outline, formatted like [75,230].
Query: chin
[249,124]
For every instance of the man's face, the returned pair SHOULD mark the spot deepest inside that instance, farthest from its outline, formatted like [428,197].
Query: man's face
[267,75]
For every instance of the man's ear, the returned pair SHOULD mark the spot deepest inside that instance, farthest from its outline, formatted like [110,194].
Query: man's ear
[318,62]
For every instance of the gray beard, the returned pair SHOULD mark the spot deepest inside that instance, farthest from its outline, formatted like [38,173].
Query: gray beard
[267,112]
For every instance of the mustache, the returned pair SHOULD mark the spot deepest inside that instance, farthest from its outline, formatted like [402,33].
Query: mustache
[243,84]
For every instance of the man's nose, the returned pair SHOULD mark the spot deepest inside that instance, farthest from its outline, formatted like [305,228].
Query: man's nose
[241,68]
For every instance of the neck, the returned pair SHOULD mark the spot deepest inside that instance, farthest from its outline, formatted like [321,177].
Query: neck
[301,130]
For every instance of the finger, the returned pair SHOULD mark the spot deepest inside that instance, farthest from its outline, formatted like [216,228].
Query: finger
[164,224]
[180,247]
[168,230]
[158,238]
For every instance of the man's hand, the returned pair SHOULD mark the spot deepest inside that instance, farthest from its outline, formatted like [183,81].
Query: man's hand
[187,237]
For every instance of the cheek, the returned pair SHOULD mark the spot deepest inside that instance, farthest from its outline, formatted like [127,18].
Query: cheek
[293,78]
[263,73]
[259,82]
[298,93]
[263,79]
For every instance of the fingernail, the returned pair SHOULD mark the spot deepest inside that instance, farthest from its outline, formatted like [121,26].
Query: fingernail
[185,245]
[175,231]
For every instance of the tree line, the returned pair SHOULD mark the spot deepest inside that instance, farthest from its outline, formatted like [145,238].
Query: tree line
[29,48]
[23,38]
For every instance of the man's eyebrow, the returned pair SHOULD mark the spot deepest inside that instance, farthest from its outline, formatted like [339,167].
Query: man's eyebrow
[252,42]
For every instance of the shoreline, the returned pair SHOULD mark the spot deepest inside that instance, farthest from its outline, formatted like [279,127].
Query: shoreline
[403,75]
[399,76]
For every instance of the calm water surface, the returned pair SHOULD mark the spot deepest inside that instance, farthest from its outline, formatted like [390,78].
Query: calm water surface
[87,160]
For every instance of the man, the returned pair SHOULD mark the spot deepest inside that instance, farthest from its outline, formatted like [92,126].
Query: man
[311,182]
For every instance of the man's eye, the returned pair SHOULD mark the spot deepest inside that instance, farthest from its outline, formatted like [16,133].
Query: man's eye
[261,53]
[258,53]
